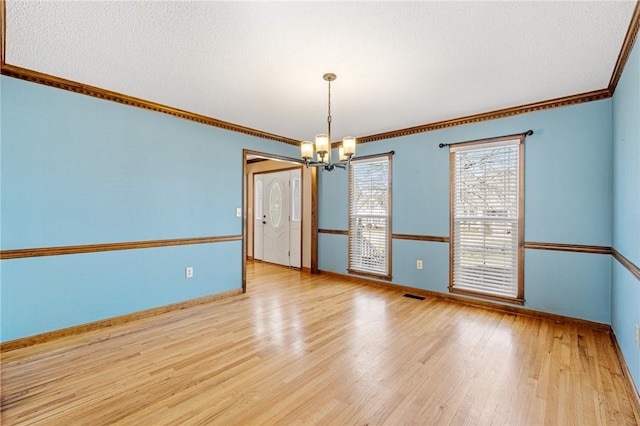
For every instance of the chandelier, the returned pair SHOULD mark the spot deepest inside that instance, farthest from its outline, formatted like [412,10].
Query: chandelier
[323,143]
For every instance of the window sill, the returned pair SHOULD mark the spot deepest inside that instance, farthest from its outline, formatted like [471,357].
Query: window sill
[512,300]
[369,274]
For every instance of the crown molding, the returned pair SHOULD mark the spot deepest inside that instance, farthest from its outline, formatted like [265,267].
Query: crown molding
[85,89]
[595,95]
[49,80]
[96,92]
[627,47]
[72,86]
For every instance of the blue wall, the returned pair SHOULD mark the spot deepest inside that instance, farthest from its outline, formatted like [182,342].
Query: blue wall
[568,200]
[78,170]
[625,288]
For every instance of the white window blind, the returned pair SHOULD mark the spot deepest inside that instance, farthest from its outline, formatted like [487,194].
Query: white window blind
[369,222]
[485,202]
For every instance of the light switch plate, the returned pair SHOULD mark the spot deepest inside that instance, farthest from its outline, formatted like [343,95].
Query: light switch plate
[239,212]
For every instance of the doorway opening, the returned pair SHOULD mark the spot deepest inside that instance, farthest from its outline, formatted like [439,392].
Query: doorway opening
[280,223]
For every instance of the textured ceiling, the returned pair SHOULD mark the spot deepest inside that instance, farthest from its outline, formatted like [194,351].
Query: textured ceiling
[260,64]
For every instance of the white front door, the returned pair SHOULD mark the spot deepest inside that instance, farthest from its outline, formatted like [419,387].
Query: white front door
[276,217]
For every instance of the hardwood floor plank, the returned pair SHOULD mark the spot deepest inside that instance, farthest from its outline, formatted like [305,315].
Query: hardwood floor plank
[303,349]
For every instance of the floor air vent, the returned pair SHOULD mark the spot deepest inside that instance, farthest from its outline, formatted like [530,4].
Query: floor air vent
[413,296]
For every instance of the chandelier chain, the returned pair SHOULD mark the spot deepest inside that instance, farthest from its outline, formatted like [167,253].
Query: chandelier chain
[329,119]
[329,104]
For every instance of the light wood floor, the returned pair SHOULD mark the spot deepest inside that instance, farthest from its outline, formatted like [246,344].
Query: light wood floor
[304,349]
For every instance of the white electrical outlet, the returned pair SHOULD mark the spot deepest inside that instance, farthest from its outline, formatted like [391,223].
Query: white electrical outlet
[418,264]
[188,272]
[638,335]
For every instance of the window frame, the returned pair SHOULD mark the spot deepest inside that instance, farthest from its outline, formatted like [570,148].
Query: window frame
[519,298]
[388,240]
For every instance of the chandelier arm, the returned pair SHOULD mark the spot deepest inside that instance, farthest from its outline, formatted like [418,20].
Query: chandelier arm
[315,164]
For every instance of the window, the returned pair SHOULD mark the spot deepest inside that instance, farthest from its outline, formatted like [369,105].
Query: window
[486,219]
[370,216]
[257,204]
[296,201]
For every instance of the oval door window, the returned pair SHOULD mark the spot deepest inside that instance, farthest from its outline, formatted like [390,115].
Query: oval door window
[275,205]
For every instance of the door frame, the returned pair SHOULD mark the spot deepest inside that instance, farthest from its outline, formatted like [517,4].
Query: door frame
[314,208]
